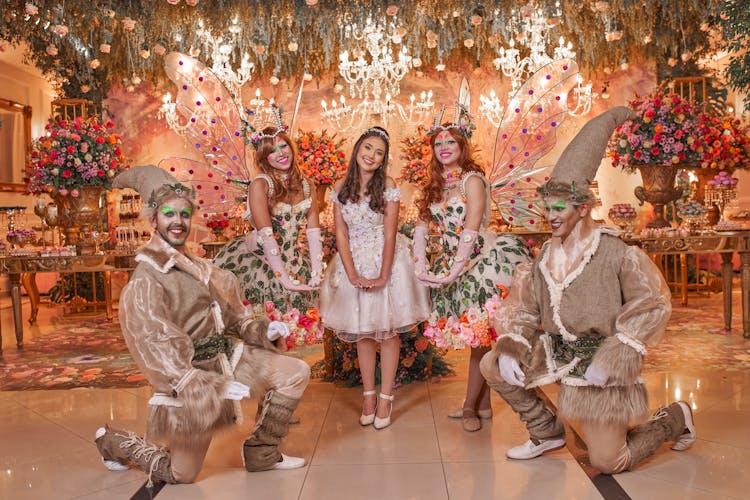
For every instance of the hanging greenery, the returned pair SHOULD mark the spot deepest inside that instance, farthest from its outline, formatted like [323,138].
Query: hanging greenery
[87,47]
[734,22]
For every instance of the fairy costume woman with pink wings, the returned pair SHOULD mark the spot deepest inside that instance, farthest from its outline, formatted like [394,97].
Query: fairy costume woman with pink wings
[277,270]
[474,267]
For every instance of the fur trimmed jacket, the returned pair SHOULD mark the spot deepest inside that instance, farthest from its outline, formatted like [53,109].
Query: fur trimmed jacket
[604,308]
[171,303]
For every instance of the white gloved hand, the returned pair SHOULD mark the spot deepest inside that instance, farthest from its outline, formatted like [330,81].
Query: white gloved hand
[236,390]
[510,370]
[596,375]
[277,329]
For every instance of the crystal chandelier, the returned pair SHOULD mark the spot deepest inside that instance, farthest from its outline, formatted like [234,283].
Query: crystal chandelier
[220,52]
[377,81]
[221,55]
[533,33]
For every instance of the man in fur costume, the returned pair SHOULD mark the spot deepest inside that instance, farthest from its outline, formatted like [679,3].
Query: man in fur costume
[582,315]
[199,347]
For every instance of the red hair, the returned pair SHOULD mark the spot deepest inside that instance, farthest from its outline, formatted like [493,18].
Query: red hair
[433,191]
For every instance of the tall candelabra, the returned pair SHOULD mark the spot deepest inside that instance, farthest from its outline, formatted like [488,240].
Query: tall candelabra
[720,195]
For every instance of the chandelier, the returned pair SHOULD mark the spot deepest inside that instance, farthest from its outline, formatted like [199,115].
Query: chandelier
[221,52]
[532,30]
[377,81]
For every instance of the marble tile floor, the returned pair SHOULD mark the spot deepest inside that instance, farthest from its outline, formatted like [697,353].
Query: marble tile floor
[46,438]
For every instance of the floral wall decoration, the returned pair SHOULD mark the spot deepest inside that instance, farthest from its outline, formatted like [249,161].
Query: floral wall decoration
[87,47]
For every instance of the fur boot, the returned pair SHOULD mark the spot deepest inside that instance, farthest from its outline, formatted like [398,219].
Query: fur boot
[260,450]
[666,424]
[127,447]
[541,423]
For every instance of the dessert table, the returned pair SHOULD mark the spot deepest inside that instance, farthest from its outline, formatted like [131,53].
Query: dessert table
[725,243]
[23,270]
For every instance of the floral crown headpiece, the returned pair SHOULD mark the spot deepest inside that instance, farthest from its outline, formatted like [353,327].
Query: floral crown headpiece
[461,121]
[256,135]
[177,188]
[378,131]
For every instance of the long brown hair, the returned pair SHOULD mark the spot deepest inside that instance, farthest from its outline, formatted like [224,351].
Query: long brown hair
[433,191]
[376,185]
[280,188]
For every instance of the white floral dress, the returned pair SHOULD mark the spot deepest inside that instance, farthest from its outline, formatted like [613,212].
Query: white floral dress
[244,257]
[379,313]
[462,309]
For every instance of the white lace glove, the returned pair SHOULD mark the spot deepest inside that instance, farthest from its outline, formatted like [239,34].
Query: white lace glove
[272,254]
[315,243]
[236,390]
[464,251]
[596,375]
[277,329]
[510,370]
[419,250]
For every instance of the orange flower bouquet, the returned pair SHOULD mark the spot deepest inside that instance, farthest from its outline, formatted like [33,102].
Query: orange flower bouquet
[320,157]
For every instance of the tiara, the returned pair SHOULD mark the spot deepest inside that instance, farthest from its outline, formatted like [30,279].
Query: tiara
[461,121]
[255,135]
[379,131]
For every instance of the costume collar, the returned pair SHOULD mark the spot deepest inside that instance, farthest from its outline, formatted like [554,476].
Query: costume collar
[163,257]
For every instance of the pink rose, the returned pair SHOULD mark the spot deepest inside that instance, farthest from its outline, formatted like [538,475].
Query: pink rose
[63,192]
[74,193]
[306,322]
[269,306]
[60,29]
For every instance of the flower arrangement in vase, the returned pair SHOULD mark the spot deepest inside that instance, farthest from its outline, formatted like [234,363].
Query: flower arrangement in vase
[74,154]
[661,138]
[218,223]
[416,154]
[664,133]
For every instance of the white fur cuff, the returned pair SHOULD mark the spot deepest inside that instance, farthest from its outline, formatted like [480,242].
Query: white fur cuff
[631,342]
[515,338]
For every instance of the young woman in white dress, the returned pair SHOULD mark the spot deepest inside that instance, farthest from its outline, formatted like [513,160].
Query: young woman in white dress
[370,294]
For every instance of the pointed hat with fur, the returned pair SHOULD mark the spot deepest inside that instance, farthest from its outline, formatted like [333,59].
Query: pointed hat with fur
[577,166]
[152,183]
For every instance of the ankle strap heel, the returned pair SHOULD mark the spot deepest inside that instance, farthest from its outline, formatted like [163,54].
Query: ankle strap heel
[382,423]
[367,419]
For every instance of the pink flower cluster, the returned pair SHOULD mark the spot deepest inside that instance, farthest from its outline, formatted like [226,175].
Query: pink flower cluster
[472,328]
[73,154]
[664,133]
[305,329]
[723,179]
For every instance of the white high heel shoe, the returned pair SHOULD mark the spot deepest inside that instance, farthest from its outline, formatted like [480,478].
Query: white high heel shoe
[368,419]
[382,423]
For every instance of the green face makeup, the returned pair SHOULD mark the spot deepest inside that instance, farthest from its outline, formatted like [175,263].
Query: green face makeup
[559,206]
[171,212]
